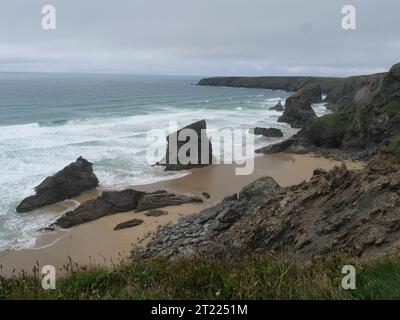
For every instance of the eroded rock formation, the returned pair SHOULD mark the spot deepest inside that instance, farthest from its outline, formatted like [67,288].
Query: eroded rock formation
[112,202]
[278,107]
[65,184]
[298,110]
[200,155]
[356,212]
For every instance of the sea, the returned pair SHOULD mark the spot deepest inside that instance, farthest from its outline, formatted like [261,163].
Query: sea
[48,120]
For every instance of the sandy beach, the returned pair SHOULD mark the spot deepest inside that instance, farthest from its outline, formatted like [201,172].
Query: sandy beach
[96,243]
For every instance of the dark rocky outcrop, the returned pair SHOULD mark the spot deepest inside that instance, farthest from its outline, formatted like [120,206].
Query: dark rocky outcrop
[278,107]
[156,213]
[67,183]
[298,110]
[162,199]
[128,224]
[268,132]
[206,195]
[202,156]
[356,212]
[112,202]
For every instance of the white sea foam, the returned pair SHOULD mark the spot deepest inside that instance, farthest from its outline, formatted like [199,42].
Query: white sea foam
[320,109]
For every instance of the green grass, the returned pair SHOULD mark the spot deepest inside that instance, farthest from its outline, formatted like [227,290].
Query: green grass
[328,130]
[256,277]
[392,108]
[392,146]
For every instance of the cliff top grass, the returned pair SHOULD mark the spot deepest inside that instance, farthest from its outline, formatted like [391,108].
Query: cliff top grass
[255,277]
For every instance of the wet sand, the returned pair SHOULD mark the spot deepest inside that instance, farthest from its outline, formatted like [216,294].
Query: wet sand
[96,243]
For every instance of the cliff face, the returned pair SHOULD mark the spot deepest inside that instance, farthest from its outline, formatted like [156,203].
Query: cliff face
[273,83]
[368,114]
[340,91]
[355,89]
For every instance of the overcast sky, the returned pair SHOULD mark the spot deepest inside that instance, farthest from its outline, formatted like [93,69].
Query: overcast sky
[200,37]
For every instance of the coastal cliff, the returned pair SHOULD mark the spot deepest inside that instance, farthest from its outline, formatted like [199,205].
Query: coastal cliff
[340,211]
[273,83]
[339,90]
[366,118]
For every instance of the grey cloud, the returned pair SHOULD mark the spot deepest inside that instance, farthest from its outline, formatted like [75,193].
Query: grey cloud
[207,37]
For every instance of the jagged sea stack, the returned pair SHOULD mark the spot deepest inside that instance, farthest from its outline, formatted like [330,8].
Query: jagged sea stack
[200,154]
[298,110]
[278,107]
[67,183]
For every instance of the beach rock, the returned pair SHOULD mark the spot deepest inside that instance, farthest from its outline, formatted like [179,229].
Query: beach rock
[156,213]
[278,107]
[68,183]
[200,154]
[161,199]
[337,211]
[206,195]
[128,224]
[298,110]
[112,202]
[46,229]
[268,132]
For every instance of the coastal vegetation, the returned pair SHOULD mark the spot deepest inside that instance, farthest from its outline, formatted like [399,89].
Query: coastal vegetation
[327,130]
[392,146]
[253,277]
